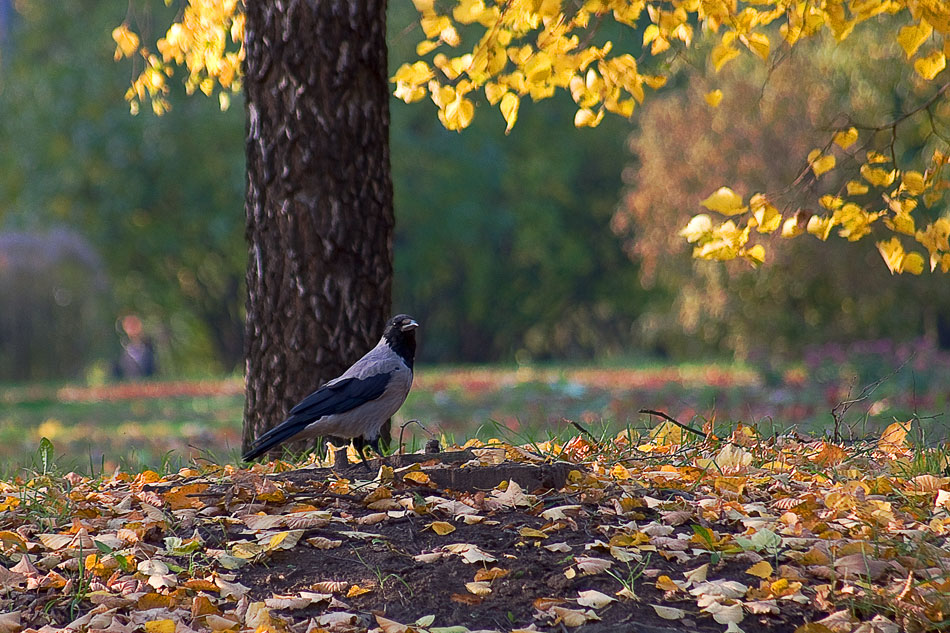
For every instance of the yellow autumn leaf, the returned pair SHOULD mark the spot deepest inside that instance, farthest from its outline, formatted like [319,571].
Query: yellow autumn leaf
[458,114]
[767,217]
[442,527]
[731,457]
[713,98]
[758,43]
[433,25]
[478,588]
[913,182]
[820,226]
[494,92]
[665,583]
[418,477]
[126,42]
[723,54]
[893,437]
[356,590]
[877,176]
[930,66]
[528,532]
[846,138]
[509,109]
[892,252]
[450,36]
[585,117]
[856,188]
[912,36]
[620,472]
[913,263]
[762,569]
[699,227]
[725,201]
[820,163]
[899,261]
[425,47]
[160,626]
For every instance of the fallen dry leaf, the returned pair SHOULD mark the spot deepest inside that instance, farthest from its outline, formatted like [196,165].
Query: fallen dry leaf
[668,613]
[593,598]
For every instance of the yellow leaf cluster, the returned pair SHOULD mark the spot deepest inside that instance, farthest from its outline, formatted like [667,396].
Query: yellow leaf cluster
[521,49]
[207,39]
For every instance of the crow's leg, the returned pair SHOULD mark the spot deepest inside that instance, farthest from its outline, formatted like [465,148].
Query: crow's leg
[359,444]
[339,455]
[375,444]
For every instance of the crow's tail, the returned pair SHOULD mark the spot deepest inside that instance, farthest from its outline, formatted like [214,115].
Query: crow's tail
[276,436]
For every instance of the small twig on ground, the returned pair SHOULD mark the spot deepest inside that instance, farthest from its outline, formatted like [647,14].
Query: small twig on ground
[666,417]
[402,429]
[839,410]
[580,428]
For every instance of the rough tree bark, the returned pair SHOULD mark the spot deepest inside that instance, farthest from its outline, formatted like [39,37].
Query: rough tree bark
[319,196]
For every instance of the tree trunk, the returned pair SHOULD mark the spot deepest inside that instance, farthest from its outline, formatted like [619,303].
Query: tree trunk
[319,197]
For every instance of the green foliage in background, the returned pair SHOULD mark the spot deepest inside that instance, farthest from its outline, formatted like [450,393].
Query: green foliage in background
[503,244]
[161,199]
[526,246]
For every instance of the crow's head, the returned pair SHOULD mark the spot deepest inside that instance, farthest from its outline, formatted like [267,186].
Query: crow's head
[400,334]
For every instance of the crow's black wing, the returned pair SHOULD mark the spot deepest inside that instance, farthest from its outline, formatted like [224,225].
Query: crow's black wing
[337,397]
[340,397]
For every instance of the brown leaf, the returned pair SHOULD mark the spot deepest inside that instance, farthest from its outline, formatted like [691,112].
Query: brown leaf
[490,574]
[860,565]
[263,521]
[468,599]
[200,584]
[202,606]
[10,622]
[179,498]
[372,519]
[545,604]
[589,566]
[323,543]
[10,579]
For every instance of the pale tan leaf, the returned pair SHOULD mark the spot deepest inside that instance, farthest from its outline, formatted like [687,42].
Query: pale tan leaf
[589,566]
[479,587]
[390,626]
[593,598]
[668,613]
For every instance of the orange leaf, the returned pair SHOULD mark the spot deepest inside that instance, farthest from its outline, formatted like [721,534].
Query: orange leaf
[468,599]
[490,574]
[830,455]
[154,600]
[201,605]
[178,498]
[201,584]
[665,583]
[356,590]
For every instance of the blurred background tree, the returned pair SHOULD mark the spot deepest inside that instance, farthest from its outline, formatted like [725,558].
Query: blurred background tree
[158,198]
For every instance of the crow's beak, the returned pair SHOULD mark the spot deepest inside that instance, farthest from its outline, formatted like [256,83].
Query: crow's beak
[409,325]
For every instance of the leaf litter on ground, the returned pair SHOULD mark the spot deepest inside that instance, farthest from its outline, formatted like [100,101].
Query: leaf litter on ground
[664,530]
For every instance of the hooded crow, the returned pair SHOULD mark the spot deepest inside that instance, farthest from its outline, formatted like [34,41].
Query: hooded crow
[357,403]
